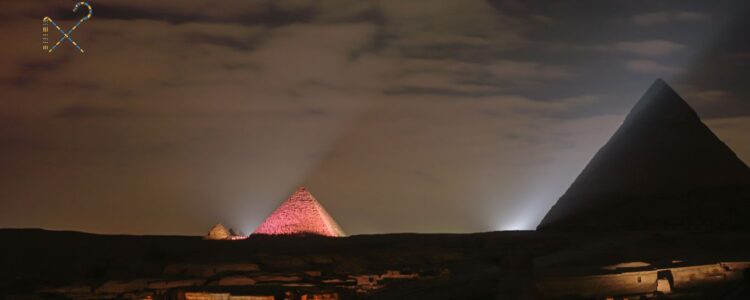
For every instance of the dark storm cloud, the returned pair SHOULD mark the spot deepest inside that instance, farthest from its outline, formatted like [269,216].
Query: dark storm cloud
[265,13]
[27,73]
[181,115]
[666,17]
[450,50]
[717,80]
[235,43]
[416,90]
[271,13]
[87,111]
[17,143]
[42,66]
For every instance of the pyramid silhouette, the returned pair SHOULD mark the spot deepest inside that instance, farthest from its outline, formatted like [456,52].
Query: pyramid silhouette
[662,170]
[300,214]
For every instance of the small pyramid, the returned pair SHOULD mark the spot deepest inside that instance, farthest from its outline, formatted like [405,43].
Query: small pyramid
[218,232]
[662,170]
[300,214]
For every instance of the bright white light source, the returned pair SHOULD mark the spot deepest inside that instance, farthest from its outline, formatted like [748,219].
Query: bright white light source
[520,224]
[524,220]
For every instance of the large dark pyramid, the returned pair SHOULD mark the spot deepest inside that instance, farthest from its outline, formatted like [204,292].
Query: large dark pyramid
[662,170]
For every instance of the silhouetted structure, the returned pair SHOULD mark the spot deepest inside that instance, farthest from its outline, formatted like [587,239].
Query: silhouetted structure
[662,170]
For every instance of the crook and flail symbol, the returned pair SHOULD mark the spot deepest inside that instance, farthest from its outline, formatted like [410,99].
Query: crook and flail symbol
[66,34]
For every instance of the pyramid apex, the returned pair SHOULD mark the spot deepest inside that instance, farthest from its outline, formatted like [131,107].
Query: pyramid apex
[218,226]
[660,81]
[660,102]
[659,85]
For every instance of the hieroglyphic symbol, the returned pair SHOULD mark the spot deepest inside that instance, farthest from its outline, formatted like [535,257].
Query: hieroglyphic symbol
[66,35]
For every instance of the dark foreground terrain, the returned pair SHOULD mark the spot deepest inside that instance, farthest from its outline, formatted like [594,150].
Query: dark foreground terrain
[38,264]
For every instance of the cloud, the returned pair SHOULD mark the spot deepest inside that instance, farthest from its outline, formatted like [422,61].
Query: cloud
[648,66]
[715,102]
[270,13]
[87,111]
[460,30]
[649,48]
[724,64]
[502,106]
[526,70]
[707,96]
[456,77]
[666,17]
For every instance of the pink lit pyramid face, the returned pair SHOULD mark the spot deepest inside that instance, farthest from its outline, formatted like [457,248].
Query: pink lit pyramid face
[300,214]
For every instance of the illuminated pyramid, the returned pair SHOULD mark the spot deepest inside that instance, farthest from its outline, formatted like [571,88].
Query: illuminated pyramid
[218,232]
[300,214]
[662,170]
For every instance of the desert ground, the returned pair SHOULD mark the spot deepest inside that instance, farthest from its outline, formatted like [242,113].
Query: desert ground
[39,264]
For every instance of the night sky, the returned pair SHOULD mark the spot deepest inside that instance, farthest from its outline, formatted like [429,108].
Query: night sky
[399,116]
